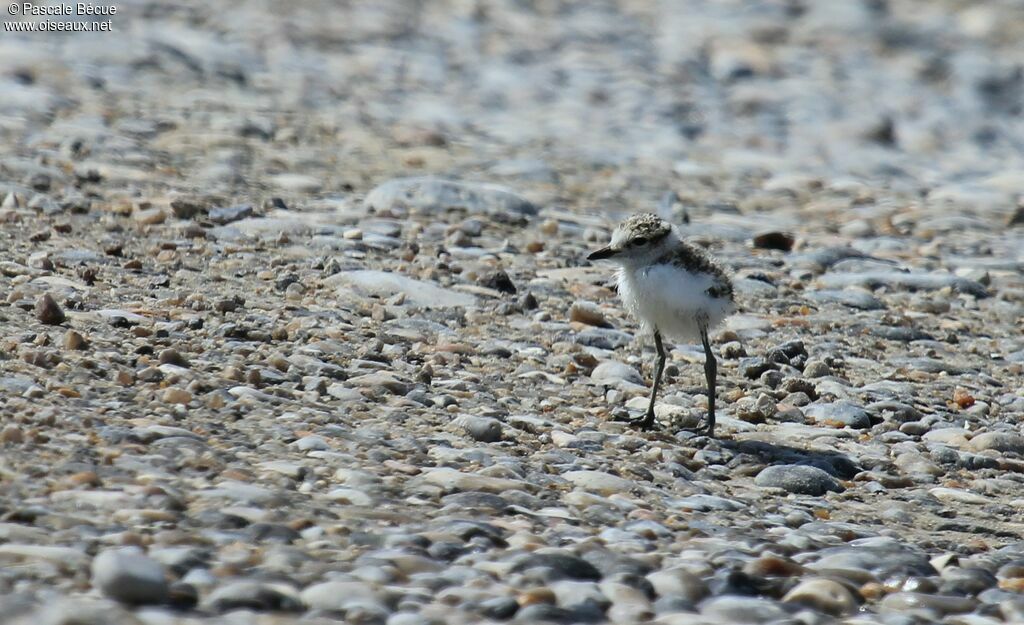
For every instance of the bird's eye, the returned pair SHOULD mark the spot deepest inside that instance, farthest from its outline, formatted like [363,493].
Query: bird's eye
[640,241]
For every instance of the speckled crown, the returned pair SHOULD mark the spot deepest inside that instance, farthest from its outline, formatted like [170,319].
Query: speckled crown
[646,225]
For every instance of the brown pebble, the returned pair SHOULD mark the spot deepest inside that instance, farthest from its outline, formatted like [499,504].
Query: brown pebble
[536,595]
[254,377]
[773,566]
[176,396]
[589,314]
[171,356]
[963,398]
[82,478]
[150,216]
[12,434]
[48,311]
[774,240]
[73,340]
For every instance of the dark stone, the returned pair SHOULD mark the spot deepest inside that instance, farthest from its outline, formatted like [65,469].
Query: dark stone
[799,479]
[499,281]
[48,311]
[774,240]
[500,608]
[559,565]
[753,367]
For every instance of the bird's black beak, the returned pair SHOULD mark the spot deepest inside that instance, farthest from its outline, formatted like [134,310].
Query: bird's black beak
[603,253]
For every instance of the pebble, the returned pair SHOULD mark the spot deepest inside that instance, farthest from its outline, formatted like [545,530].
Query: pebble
[249,595]
[798,479]
[484,429]
[824,595]
[588,314]
[558,564]
[48,311]
[12,434]
[612,372]
[599,482]
[418,293]
[74,341]
[176,396]
[129,576]
[997,441]
[172,356]
[839,414]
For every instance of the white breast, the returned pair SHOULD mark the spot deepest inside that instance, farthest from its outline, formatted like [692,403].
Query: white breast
[671,300]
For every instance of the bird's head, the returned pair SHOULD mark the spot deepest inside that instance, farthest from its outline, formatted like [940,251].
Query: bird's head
[641,236]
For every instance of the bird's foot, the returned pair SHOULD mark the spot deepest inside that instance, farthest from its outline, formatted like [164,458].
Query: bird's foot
[644,423]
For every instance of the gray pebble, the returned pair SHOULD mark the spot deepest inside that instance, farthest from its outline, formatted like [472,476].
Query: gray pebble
[799,479]
[129,576]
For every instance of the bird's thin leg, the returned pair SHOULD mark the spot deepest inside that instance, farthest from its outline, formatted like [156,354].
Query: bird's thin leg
[711,373]
[648,421]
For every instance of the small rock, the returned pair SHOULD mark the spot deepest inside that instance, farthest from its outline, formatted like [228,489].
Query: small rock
[839,414]
[12,434]
[600,482]
[589,314]
[560,564]
[678,583]
[350,496]
[176,396]
[381,380]
[171,356]
[338,596]
[483,429]
[738,609]
[824,595]
[48,311]
[733,350]
[150,216]
[418,293]
[816,369]
[612,372]
[774,240]
[247,595]
[499,281]
[74,341]
[129,576]
[998,441]
[798,478]
[187,208]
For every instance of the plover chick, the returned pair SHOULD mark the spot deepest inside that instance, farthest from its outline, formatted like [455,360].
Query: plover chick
[674,289]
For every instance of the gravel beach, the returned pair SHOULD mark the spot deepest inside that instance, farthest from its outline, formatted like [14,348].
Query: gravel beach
[296,324]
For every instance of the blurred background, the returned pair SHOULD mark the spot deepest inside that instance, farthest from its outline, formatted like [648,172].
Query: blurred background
[589,102]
